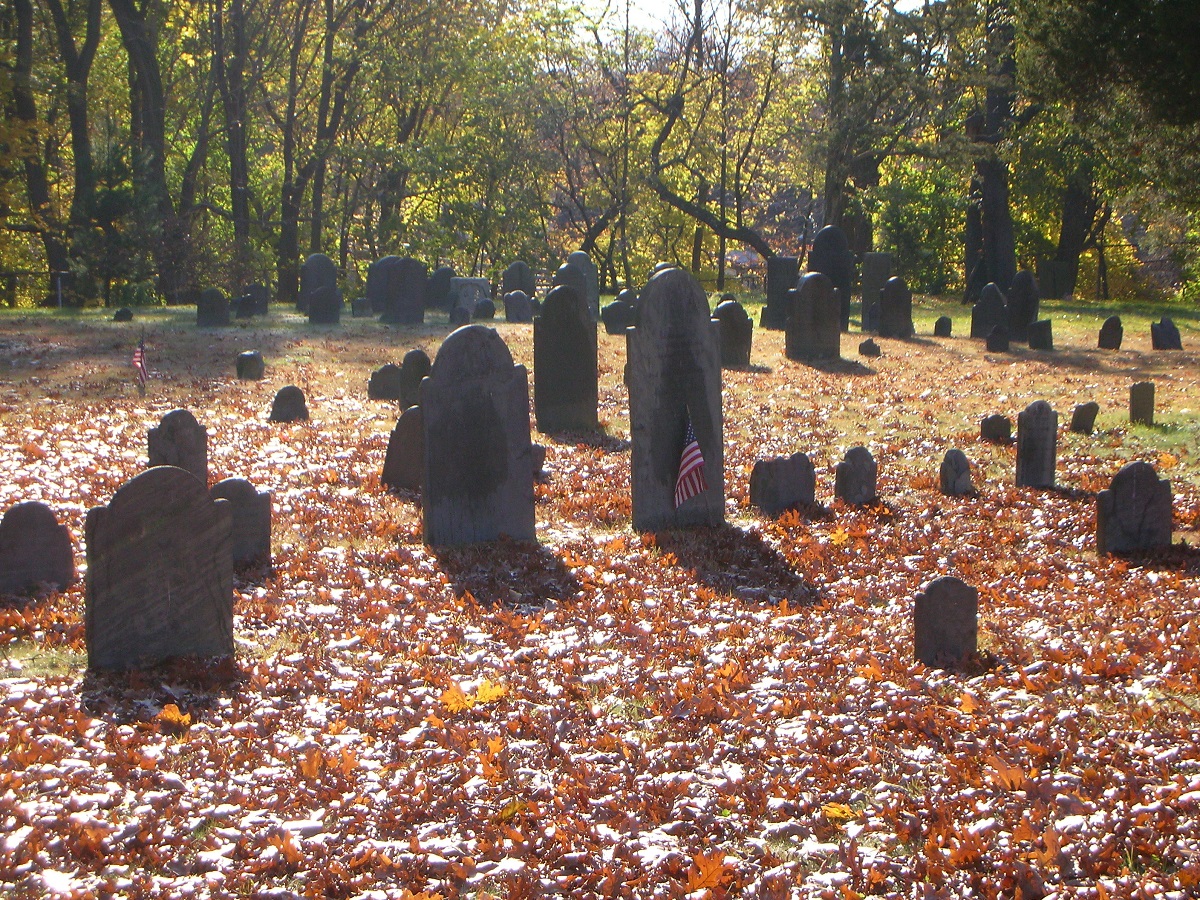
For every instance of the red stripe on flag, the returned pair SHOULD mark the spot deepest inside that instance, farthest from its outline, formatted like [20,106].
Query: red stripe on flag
[690,481]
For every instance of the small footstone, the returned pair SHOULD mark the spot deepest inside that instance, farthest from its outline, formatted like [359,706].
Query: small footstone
[1041,335]
[945,623]
[855,476]
[484,310]
[783,483]
[954,476]
[1141,403]
[942,327]
[385,383]
[1083,417]
[996,429]
[250,366]
[868,348]
[997,339]
[124,314]
[289,405]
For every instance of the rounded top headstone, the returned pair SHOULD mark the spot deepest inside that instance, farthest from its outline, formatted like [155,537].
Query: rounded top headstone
[672,298]
[473,351]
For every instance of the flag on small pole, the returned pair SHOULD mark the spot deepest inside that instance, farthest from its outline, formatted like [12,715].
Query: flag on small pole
[690,481]
[139,363]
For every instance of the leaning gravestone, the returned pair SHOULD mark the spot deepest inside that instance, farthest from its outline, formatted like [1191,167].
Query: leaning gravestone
[1040,335]
[1083,417]
[478,482]
[404,464]
[876,270]
[813,328]
[895,310]
[830,255]
[943,326]
[1111,334]
[324,306]
[565,379]
[783,483]
[385,383]
[317,272]
[518,277]
[1037,445]
[1164,335]
[250,535]
[584,263]
[782,274]
[179,440]
[212,309]
[1141,403]
[617,316]
[160,573]
[1135,512]
[518,307]
[945,623]
[954,476]
[1022,305]
[251,366]
[854,478]
[34,549]
[996,429]
[674,379]
[437,289]
[737,334]
[414,367]
[406,301]
[289,405]
[997,339]
[990,310]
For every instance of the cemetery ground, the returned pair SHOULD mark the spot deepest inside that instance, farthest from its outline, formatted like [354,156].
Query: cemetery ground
[712,713]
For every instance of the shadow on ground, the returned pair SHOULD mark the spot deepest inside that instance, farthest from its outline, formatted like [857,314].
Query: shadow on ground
[737,562]
[512,573]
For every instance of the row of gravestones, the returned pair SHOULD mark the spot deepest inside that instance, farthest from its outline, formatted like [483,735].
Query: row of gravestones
[214,309]
[997,429]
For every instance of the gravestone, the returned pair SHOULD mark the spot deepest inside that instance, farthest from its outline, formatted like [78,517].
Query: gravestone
[854,477]
[1022,305]
[437,289]
[318,272]
[518,277]
[1040,335]
[460,315]
[1141,403]
[385,383]
[813,326]
[179,440]
[289,405]
[34,549]
[485,310]
[259,298]
[876,270]
[895,310]
[466,292]
[1037,445]
[943,326]
[404,302]
[212,309]
[674,377]
[782,274]
[737,334]
[160,573]
[518,307]
[250,510]
[996,429]
[869,348]
[242,307]
[124,314]
[584,263]
[1134,513]
[404,464]
[830,255]
[1111,333]
[565,379]
[997,339]
[1083,417]
[413,368]
[324,305]
[478,481]
[251,366]
[617,316]
[630,296]
[945,623]
[989,311]
[1164,335]
[574,277]
[382,283]
[783,483]
[954,476]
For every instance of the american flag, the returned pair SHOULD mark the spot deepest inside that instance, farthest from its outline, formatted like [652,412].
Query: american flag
[690,480]
[139,363]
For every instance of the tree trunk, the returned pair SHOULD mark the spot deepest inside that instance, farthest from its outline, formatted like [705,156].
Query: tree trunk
[230,58]
[1079,209]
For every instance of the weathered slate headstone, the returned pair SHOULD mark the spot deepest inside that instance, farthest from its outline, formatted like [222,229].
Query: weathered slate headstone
[997,339]
[783,483]
[34,549]
[954,476]
[945,623]
[990,310]
[943,326]
[437,289]
[179,440]
[830,255]
[124,314]
[251,366]
[674,376]
[1141,403]
[289,405]
[876,270]
[518,277]
[813,327]
[405,299]
[895,309]
[317,272]
[413,368]
[1134,513]
[565,379]
[385,383]
[466,292]
[259,298]
[617,316]
[324,305]
[1164,335]
[478,482]
[160,573]
[1111,333]
[1083,417]
[996,429]
[518,307]
[404,464]
[782,274]
[737,334]
[584,263]
[855,476]
[573,277]
[1037,445]
[382,283]
[485,310]
[1022,305]
[869,348]
[250,510]
[212,309]
[1040,335]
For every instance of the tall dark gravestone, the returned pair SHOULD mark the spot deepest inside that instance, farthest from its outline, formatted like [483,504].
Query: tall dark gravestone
[1023,303]
[1037,445]
[782,274]
[1111,333]
[324,306]
[404,464]
[34,549]
[674,377]
[518,277]
[565,376]
[584,263]
[1141,403]
[414,367]
[737,334]
[478,481]
[830,255]
[876,270]
[250,511]
[895,309]
[989,311]
[181,441]
[813,328]
[1134,513]
[437,289]
[406,301]
[382,283]
[317,272]
[212,309]
[160,573]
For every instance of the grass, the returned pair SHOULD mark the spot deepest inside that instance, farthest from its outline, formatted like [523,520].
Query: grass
[37,661]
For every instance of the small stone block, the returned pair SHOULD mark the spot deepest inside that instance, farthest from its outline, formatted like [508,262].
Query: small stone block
[1141,403]
[783,483]
[954,476]
[1083,417]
